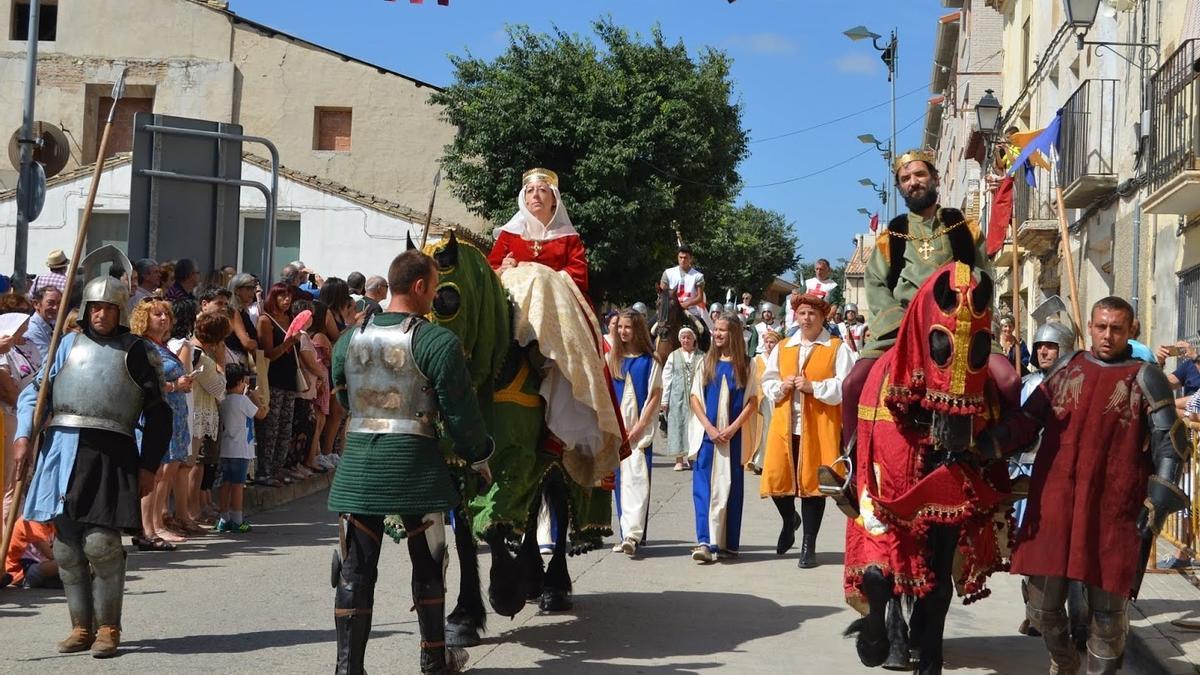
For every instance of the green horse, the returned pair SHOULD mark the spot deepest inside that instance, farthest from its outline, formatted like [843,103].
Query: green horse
[528,461]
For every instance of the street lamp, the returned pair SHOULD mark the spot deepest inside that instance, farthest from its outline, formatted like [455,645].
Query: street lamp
[865,212]
[883,194]
[987,112]
[890,56]
[1081,14]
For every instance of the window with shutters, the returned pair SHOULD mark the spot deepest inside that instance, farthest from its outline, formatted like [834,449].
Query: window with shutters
[331,129]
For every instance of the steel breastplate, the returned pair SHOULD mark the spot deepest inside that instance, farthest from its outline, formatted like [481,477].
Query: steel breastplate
[94,389]
[388,392]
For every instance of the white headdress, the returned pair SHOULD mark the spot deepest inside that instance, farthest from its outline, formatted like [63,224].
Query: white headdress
[526,225]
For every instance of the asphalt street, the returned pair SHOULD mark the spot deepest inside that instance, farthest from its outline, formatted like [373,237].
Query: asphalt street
[262,602]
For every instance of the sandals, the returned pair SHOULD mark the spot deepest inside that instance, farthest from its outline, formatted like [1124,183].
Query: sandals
[152,544]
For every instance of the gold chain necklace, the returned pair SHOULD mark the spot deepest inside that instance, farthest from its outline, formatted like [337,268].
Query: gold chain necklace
[925,249]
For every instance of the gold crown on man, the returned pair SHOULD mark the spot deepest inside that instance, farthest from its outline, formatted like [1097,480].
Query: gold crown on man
[542,175]
[916,155]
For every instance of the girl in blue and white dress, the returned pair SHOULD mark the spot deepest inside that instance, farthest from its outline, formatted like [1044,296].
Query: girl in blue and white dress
[724,402]
[637,379]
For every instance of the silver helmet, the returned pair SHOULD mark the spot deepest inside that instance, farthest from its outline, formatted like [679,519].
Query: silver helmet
[1057,333]
[102,286]
[850,307]
[769,307]
[716,307]
[641,308]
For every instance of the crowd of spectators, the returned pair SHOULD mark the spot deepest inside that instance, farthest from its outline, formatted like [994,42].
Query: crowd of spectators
[248,383]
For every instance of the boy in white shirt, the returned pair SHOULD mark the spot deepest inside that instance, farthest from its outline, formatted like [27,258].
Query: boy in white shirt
[239,409]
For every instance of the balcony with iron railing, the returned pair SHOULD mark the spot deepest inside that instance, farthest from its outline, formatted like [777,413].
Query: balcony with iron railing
[1034,218]
[1174,157]
[1086,140]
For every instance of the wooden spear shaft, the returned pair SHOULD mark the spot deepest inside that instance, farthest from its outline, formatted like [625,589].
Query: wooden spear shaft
[55,336]
[1016,305]
[1065,236]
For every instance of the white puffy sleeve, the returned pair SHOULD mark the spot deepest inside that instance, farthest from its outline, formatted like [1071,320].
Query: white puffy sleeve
[772,386]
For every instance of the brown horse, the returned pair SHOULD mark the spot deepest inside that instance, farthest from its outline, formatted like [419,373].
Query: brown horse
[669,317]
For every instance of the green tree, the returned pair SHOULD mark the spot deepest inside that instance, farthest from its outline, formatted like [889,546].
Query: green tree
[746,249]
[641,134]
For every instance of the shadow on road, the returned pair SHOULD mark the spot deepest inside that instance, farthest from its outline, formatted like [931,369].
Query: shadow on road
[653,626]
[240,643]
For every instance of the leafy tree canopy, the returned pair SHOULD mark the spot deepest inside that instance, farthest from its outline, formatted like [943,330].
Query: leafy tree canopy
[744,251]
[641,134]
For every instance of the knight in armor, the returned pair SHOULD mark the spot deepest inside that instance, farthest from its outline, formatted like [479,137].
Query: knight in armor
[404,381]
[89,475]
[767,312]
[1052,342]
[913,247]
[1098,498]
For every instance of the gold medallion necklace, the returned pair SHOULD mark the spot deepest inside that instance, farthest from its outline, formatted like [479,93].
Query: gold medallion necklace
[926,248]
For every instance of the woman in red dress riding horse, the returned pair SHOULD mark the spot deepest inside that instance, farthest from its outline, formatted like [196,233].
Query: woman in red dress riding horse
[541,231]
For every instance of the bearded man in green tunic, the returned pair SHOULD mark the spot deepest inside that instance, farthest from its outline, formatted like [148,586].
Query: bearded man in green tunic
[404,381]
[907,253]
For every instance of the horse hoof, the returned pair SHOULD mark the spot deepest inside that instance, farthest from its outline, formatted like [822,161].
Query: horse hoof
[871,651]
[554,600]
[898,658]
[464,634]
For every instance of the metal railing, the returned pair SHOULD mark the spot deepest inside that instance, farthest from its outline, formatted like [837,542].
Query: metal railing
[1033,203]
[1175,115]
[1180,527]
[1088,132]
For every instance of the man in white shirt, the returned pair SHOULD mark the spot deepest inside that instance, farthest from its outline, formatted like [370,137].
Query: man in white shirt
[688,285]
[820,286]
[746,309]
[806,370]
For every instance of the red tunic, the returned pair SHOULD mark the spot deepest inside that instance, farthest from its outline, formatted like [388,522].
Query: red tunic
[1090,475]
[563,254]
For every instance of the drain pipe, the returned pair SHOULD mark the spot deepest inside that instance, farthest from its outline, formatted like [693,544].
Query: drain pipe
[1135,297]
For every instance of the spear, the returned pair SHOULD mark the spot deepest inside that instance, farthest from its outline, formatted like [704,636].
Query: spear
[20,484]
[437,180]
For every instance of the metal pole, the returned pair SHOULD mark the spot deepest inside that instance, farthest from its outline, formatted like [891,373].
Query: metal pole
[895,46]
[272,204]
[21,248]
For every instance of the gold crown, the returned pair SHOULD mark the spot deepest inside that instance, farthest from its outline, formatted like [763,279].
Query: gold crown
[918,155]
[543,175]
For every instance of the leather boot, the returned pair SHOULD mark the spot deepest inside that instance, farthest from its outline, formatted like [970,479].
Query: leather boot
[80,639]
[1064,660]
[108,639]
[808,552]
[429,598]
[790,523]
[352,621]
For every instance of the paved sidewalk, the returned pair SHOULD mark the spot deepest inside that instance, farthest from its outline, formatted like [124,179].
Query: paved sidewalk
[262,602]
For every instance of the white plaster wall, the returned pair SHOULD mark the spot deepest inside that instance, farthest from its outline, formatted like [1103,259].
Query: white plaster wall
[336,236]
[59,220]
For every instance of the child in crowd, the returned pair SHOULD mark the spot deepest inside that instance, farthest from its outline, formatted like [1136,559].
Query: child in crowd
[637,379]
[238,412]
[724,398]
[30,559]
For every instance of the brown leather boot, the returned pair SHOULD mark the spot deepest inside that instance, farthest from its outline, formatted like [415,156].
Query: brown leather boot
[108,638]
[80,639]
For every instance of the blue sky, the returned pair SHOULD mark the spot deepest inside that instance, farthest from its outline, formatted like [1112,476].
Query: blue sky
[792,69]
